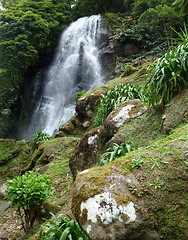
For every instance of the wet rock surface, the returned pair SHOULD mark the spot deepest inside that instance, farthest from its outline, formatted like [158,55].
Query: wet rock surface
[87,151]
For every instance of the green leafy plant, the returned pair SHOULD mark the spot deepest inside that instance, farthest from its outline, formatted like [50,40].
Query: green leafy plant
[39,137]
[27,195]
[116,151]
[170,74]
[63,229]
[80,94]
[137,162]
[118,94]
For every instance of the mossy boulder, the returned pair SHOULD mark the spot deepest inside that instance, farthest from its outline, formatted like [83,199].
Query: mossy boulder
[58,148]
[14,157]
[86,106]
[128,110]
[87,151]
[122,201]
[176,113]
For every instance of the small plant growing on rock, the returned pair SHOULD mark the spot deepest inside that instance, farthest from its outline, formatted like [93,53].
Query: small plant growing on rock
[27,195]
[80,94]
[116,151]
[62,228]
[39,137]
[117,95]
[137,162]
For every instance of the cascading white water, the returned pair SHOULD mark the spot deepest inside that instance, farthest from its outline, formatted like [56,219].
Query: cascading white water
[75,68]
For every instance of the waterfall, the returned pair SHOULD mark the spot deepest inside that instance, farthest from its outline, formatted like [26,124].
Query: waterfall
[76,67]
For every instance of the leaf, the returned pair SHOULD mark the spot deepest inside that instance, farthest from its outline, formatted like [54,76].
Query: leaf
[65,234]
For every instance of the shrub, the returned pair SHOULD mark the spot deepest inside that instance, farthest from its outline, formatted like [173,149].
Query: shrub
[27,195]
[119,94]
[79,94]
[62,228]
[39,137]
[116,151]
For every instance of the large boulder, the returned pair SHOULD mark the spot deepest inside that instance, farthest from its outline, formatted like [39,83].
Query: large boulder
[128,110]
[86,106]
[131,199]
[87,151]
[91,145]
[111,211]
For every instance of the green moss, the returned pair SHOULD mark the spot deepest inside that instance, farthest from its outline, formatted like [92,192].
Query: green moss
[143,129]
[165,172]
[14,156]
[162,180]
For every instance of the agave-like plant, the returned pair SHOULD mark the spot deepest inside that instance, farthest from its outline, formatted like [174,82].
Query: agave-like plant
[116,151]
[170,76]
[62,229]
[118,94]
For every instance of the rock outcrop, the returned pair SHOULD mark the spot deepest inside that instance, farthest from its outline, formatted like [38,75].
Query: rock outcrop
[87,151]
[90,146]
[118,201]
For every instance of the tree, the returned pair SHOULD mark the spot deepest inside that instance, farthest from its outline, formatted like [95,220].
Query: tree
[29,31]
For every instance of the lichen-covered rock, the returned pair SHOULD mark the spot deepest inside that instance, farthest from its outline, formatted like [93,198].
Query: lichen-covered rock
[128,110]
[87,151]
[110,210]
[119,201]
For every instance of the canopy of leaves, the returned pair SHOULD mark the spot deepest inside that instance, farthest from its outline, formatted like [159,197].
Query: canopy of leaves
[29,31]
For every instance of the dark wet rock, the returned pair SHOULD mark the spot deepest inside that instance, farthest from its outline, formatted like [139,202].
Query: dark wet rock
[128,49]
[86,106]
[87,151]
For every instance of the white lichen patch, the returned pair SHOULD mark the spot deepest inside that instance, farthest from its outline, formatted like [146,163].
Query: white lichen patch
[91,140]
[122,115]
[88,229]
[84,171]
[105,207]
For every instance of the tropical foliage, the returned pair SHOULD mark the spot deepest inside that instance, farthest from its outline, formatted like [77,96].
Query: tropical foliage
[27,195]
[116,151]
[169,74]
[29,31]
[118,94]
[80,94]
[39,137]
[62,229]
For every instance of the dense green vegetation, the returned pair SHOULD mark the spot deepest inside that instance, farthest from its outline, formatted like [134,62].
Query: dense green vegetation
[39,137]
[116,151]
[63,228]
[29,31]
[118,94]
[27,195]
